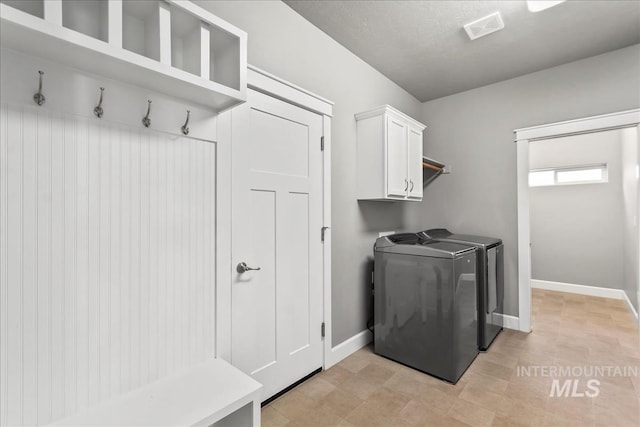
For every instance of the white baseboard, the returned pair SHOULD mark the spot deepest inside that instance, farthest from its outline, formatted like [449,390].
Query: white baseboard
[509,322]
[348,347]
[593,291]
[571,288]
[630,306]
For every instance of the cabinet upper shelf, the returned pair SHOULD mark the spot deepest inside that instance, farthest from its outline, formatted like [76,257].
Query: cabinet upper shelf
[173,47]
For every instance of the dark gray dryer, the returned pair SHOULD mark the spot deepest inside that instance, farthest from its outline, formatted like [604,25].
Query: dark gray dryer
[490,280]
[425,304]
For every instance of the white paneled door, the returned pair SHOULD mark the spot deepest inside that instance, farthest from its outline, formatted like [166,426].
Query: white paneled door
[277,218]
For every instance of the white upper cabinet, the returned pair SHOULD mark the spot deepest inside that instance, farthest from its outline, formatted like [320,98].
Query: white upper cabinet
[169,46]
[389,155]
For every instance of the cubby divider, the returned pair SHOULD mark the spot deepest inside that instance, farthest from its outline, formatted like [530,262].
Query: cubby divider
[115,23]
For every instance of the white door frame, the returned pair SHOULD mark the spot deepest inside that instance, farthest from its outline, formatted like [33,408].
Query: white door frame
[266,83]
[524,136]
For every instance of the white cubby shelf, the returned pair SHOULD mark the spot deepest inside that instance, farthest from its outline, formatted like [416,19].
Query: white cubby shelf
[170,46]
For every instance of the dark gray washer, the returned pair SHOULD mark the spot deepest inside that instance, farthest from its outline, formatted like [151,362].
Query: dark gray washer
[425,304]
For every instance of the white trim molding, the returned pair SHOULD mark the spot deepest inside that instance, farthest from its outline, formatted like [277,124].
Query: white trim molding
[326,249]
[600,123]
[523,137]
[572,288]
[594,291]
[348,347]
[265,82]
[631,308]
[509,322]
[524,238]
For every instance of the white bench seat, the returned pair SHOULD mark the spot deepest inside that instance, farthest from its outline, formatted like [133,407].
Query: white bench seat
[213,393]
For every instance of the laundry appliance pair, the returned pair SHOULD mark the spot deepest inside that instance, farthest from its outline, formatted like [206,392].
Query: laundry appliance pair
[438,299]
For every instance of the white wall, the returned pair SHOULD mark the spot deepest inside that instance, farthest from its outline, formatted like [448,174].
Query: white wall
[630,186]
[285,44]
[577,230]
[473,132]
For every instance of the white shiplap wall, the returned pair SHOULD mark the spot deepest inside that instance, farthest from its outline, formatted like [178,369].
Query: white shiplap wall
[107,272]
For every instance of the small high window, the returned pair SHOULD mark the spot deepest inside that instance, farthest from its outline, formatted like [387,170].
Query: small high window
[586,174]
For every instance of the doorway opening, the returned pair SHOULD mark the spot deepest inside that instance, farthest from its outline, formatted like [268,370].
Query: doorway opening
[524,138]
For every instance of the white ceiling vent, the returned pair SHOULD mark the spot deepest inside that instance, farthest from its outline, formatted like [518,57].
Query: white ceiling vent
[483,26]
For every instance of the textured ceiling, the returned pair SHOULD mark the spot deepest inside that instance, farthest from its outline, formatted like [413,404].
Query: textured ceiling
[422,46]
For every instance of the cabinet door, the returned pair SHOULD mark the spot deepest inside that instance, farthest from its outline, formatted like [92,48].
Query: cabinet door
[397,180]
[415,163]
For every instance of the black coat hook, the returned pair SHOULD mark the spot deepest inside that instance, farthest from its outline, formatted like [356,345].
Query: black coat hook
[146,121]
[185,126]
[98,110]
[39,98]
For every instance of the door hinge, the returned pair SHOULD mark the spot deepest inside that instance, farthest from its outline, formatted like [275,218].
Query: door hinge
[322,330]
[323,230]
[322,143]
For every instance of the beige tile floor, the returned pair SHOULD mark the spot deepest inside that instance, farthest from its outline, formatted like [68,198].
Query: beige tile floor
[568,331]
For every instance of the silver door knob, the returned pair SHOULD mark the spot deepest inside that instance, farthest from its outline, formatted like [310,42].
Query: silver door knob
[243,267]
